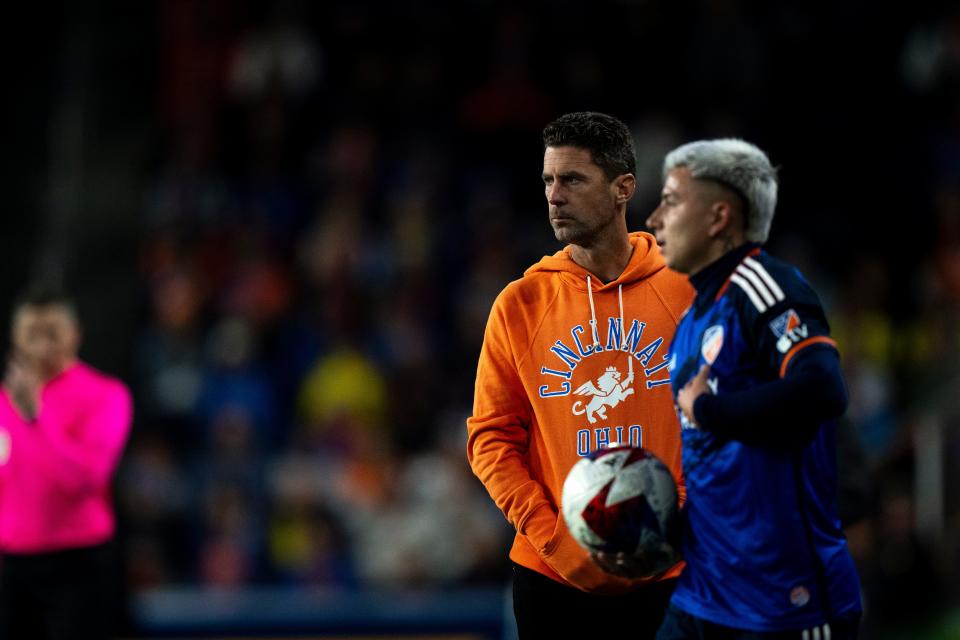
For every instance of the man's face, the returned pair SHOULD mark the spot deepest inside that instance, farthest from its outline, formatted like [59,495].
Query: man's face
[682,222]
[46,337]
[581,200]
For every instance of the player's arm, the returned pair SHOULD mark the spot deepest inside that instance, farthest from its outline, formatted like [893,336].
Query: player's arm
[498,437]
[791,341]
[784,412]
[80,457]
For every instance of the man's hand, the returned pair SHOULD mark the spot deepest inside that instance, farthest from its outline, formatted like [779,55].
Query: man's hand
[23,383]
[624,565]
[695,387]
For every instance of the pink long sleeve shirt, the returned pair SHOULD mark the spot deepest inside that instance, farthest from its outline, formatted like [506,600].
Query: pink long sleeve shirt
[55,472]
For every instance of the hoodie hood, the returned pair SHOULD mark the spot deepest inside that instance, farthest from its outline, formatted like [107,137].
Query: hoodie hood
[644,262]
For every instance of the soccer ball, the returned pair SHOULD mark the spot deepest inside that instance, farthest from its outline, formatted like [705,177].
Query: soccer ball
[623,498]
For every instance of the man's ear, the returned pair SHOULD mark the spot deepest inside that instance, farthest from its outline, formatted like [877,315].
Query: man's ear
[625,186]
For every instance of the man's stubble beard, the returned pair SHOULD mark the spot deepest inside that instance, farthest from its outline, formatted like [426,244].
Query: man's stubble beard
[569,235]
[580,234]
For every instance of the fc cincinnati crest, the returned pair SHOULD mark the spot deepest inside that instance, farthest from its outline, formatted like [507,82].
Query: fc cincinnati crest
[608,392]
[712,343]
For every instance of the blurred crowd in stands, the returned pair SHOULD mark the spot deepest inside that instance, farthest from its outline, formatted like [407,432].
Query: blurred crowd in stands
[337,193]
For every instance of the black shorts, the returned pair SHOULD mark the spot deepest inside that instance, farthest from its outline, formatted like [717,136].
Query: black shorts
[543,606]
[58,595]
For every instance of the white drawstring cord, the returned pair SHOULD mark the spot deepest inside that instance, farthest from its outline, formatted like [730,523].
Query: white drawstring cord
[623,328]
[624,346]
[593,315]
[593,322]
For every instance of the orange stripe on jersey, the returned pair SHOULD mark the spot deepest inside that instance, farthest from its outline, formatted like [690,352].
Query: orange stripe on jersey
[753,254]
[800,345]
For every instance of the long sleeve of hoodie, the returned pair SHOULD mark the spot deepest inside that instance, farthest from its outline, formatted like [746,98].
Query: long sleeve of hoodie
[55,482]
[497,436]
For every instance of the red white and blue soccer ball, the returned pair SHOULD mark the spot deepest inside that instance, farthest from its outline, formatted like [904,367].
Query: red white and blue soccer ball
[623,499]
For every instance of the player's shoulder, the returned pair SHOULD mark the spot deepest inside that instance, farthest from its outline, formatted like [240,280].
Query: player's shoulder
[785,274]
[763,283]
[795,286]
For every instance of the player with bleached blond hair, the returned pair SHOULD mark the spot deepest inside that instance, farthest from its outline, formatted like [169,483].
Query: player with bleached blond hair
[757,382]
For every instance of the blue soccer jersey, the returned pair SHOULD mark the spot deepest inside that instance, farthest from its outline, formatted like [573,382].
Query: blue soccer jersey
[762,537]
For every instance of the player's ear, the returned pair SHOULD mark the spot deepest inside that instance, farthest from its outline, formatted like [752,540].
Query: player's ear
[625,185]
[722,218]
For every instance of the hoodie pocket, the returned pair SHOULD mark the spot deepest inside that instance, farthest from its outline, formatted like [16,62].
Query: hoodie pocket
[559,533]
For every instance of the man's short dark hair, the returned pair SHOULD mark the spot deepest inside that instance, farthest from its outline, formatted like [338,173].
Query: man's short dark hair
[45,294]
[607,139]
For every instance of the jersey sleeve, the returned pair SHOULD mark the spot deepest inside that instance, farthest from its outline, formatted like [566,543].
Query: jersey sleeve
[781,314]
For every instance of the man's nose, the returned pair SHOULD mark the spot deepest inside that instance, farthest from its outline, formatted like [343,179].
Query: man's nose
[555,194]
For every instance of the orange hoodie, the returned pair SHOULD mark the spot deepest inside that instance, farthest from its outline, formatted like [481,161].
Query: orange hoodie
[550,390]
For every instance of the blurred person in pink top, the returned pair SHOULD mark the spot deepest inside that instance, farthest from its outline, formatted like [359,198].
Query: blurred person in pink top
[63,426]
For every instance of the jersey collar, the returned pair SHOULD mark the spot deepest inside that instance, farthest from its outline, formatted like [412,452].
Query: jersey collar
[712,279]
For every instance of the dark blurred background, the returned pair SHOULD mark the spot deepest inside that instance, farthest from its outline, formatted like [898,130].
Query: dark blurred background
[285,223]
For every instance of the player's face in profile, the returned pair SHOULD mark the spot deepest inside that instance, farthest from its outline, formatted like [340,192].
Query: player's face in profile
[45,337]
[581,200]
[682,222]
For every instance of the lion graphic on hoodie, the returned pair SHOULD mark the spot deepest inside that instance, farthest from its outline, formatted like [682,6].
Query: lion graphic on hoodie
[608,392]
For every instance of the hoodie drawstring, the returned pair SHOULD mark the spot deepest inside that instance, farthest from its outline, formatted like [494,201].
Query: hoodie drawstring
[623,328]
[623,339]
[593,316]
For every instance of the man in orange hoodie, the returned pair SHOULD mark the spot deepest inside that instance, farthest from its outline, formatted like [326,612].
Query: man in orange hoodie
[573,359]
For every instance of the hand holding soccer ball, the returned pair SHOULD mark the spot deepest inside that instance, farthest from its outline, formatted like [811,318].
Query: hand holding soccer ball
[620,504]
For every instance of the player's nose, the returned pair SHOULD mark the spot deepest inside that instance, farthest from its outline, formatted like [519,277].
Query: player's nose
[653,220]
